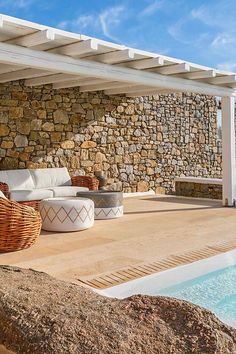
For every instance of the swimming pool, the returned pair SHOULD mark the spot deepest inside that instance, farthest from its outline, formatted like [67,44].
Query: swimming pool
[210,283]
[215,291]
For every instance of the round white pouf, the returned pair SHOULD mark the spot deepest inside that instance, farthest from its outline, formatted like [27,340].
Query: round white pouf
[66,214]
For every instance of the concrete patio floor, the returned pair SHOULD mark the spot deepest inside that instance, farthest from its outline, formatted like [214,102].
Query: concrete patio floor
[152,228]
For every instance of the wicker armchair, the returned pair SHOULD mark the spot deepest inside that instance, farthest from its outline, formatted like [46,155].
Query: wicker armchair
[19,226]
[91,183]
[5,189]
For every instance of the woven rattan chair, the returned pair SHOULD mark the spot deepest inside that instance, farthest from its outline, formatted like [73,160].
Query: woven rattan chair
[20,226]
[91,183]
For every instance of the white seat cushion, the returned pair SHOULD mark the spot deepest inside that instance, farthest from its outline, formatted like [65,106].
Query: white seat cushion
[50,177]
[67,191]
[17,179]
[2,195]
[28,195]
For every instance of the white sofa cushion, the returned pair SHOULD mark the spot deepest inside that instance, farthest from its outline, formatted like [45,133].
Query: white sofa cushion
[2,195]
[68,191]
[28,195]
[17,179]
[50,177]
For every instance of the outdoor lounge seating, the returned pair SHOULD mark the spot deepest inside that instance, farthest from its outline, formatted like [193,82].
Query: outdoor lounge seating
[20,225]
[30,186]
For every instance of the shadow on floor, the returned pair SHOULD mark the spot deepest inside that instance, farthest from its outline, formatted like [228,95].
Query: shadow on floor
[180,200]
[169,210]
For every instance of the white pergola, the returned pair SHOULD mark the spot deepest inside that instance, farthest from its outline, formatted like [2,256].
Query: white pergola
[44,55]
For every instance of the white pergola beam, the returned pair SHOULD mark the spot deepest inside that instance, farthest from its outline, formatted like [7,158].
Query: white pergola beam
[197,75]
[146,63]
[228,151]
[148,92]
[77,49]
[222,80]
[67,84]
[174,69]
[34,39]
[114,57]
[5,68]
[79,82]
[49,79]
[102,86]
[21,74]
[12,54]
[131,89]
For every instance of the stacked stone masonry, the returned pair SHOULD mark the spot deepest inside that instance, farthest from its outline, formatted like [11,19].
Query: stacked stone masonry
[141,143]
[198,190]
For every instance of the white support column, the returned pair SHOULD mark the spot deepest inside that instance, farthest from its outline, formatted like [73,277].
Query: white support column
[228,151]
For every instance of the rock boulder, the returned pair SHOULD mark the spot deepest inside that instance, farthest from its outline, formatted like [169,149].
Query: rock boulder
[40,314]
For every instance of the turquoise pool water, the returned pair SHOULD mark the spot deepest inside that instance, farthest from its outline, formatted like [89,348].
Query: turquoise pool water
[215,291]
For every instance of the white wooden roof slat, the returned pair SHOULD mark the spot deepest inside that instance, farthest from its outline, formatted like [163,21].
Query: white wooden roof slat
[201,74]
[34,39]
[149,92]
[143,64]
[79,82]
[7,68]
[77,49]
[50,79]
[118,64]
[222,80]
[103,86]
[173,69]
[130,88]
[22,74]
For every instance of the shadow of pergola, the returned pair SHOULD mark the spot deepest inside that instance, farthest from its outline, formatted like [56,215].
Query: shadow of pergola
[198,205]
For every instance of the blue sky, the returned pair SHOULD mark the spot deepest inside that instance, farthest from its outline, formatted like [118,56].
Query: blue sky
[201,31]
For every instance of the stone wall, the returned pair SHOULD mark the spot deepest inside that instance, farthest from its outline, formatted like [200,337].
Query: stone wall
[198,190]
[141,143]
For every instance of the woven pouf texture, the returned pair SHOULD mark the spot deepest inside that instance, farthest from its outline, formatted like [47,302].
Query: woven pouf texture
[67,214]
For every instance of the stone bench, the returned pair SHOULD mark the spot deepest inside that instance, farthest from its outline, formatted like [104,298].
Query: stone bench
[198,187]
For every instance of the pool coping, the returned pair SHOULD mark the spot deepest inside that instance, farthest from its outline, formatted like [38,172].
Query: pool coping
[139,271]
[170,277]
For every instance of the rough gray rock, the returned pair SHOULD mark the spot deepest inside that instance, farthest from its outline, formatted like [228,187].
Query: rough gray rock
[39,314]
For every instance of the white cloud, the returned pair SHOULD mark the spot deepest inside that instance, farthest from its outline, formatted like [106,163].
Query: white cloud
[20,4]
[222,40]
[106,22]
[79,23]
[109,19]
[227,66]
[176,30]
[210,30]
[219,14]
[85,21]
[152,7]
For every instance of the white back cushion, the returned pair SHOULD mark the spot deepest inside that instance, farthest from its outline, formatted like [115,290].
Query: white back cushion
[50,177]
[17,179]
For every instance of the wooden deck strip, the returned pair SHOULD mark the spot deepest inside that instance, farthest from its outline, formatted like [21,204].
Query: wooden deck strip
[142,270]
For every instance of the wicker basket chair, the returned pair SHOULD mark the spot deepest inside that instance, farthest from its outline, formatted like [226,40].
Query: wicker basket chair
[20,226]
[91,183]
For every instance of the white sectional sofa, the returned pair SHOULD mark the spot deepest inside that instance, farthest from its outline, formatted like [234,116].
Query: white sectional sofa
[28,185]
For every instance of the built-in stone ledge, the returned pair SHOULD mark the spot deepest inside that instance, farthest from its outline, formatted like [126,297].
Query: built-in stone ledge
[198,187]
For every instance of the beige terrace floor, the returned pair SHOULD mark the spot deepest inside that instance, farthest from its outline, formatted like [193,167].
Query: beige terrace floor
[152,228]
